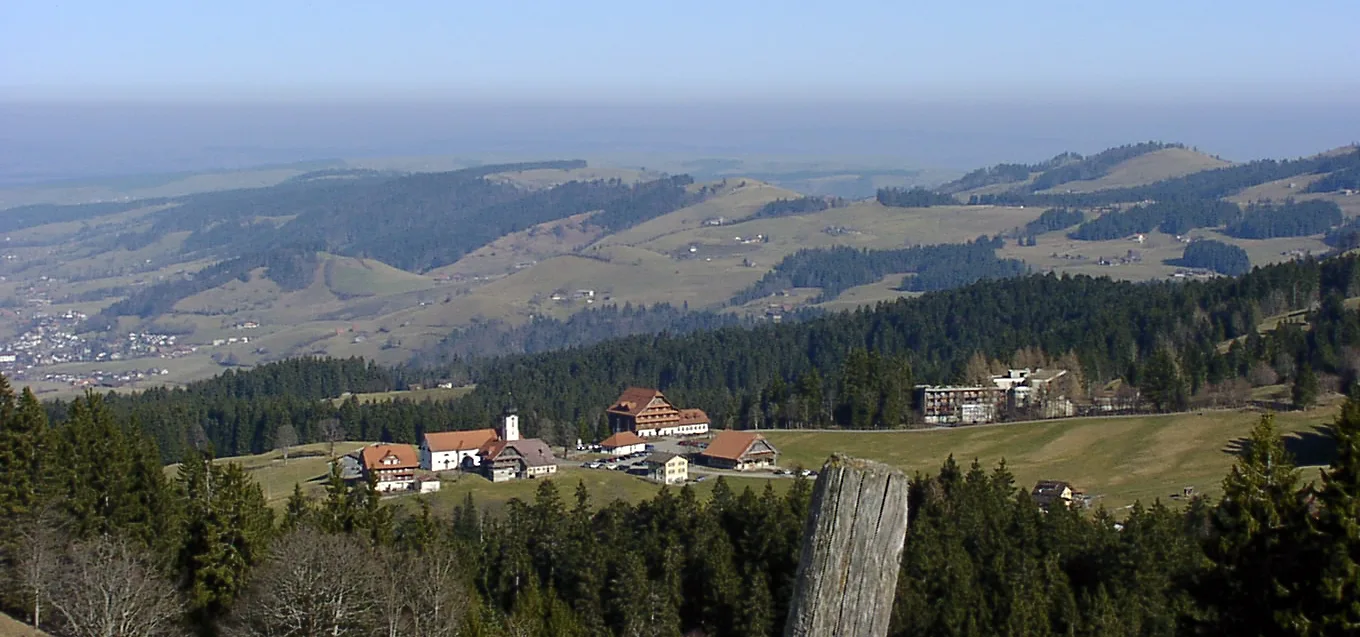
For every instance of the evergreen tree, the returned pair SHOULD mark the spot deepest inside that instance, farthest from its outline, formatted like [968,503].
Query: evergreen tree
[1305,388]
[1256,584]
[1338,528]
[227,530]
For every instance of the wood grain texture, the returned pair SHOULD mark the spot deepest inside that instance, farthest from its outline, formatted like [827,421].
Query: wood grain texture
[852,546]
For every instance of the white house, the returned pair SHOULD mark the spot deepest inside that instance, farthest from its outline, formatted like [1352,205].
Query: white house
[623,443]
[448,450]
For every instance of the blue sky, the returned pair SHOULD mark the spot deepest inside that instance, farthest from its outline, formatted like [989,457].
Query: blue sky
[656,49]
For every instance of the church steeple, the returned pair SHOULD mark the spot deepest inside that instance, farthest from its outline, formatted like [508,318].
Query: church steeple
[509,428]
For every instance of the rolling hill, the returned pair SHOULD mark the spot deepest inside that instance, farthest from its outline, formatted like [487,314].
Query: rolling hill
[346,261]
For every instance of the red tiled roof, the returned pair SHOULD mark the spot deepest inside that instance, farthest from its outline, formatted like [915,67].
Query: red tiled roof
[459,440]
[731,445]
[633,400]
[405,454]
[622,439]
[693,417]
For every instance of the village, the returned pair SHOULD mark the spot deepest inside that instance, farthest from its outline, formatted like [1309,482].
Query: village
[651,439]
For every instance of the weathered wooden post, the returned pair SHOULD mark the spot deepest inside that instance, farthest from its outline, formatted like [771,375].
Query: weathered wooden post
[852,551]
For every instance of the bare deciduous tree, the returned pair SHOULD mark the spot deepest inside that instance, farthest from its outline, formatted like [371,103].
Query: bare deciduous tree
[438,599]
[285,438]
[332,432]
[36,561]
[312,584]
[106,586]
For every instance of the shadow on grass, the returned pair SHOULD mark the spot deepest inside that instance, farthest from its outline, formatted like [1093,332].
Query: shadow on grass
[1309,448]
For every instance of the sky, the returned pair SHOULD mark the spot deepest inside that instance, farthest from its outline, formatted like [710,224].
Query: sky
[95,87]
[648,50]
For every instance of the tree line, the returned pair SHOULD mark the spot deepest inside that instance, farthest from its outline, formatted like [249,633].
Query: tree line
[797,206]
[917,197]
[1214,255]
[839,268]
[1170,217]
[1267,220]
[96,540]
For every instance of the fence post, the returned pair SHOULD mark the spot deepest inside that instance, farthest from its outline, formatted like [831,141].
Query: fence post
[852,551]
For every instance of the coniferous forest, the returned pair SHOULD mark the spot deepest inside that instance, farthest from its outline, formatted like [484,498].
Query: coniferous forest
[1181,344]
[94,535]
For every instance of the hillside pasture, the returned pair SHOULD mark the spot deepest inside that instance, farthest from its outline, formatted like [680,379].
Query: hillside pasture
[1118,459]
[1145,169]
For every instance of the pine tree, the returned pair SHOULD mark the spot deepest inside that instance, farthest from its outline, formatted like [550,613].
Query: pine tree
[23,444]
[1338,526]
[1256,582]
[227,530]
[1305,388]
[298,511]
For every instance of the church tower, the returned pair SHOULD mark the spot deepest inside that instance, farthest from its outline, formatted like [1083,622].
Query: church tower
[509,429]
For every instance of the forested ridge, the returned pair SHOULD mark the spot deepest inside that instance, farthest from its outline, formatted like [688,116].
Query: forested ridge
[1206,184]
[413,222]
[852,369]
[93,533]
[837,269]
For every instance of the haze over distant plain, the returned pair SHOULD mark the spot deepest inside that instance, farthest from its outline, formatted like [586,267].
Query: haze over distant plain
[92,88]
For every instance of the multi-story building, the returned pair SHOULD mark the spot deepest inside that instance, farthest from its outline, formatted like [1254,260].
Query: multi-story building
[393,467]
[647,412]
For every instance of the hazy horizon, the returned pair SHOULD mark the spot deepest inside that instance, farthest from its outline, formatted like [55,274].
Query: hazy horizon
[46,141]
[90,88]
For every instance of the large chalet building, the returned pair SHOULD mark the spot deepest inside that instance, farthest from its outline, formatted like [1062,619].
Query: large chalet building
[647,413]
[393,467]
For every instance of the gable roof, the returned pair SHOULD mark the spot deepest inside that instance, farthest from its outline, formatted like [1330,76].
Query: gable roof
[533,451]
[622,439]
[1053,487]
[373,455]
[662,457]
[459,440]
[732,445]
[693,417]
[633,400]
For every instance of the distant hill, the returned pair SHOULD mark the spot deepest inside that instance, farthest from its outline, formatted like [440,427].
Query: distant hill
[363,261]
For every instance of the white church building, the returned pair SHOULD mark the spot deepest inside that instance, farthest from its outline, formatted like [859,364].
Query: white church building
[449,450]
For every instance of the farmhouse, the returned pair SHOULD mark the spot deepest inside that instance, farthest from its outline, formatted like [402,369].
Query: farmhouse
[447,450]
[1046,493]
[393,467]
[647,412]
[623,443]
[504,460]
[739,450]
[667,468]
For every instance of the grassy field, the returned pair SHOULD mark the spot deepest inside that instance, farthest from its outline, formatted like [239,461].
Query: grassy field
[10,627]
[308,466]
[1146,169]
[1120,459]
[604,487]
[415,395]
